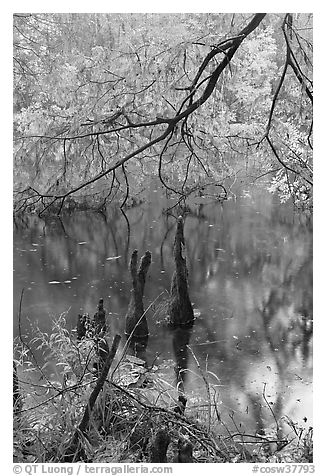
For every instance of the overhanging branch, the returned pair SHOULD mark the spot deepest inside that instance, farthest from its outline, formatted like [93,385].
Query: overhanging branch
[228,48]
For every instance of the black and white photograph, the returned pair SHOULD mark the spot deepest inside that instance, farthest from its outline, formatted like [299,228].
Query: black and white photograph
[162,240]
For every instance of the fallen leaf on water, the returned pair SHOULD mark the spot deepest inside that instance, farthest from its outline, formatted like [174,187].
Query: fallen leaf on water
[134,360]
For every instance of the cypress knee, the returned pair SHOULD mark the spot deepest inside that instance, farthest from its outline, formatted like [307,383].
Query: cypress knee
[184,454]
[180,311]
[81,326]
[99,318]
[136,323]
[159,446]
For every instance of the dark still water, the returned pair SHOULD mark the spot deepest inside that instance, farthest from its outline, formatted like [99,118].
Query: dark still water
[250,279]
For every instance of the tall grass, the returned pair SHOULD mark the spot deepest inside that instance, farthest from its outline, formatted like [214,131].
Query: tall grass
[133,403]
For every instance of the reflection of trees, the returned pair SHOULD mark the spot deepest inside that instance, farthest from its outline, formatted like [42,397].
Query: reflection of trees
[127,234]
[257,410]
[283,299]
[286,329]
[169,228]
[258,289]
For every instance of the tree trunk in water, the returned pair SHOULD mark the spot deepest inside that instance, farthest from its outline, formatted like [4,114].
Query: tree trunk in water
[136,323]
[180,312]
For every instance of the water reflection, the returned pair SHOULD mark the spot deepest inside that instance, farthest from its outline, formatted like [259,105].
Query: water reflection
[180,341]
[250,278]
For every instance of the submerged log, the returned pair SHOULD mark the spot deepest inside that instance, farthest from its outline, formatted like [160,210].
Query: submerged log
[136,323]
[180,311]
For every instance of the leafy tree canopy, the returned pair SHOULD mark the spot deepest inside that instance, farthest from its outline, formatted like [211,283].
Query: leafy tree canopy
[104,102]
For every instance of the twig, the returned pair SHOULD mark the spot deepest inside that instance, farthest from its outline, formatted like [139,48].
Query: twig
[270,408]
[74,450]
[206,385]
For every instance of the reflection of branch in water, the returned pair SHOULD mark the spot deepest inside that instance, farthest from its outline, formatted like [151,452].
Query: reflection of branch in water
[208,392]
[63,227]
[23,222]
[270,310]
[257,411]
[126,253]
[139,217]
[102,215]
[117,252]
[184,210]
[270,408]
[169,228]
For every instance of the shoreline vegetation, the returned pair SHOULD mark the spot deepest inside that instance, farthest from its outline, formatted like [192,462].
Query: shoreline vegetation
[107,418]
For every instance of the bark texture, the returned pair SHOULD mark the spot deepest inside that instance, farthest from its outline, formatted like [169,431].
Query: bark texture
[159,446]
[180,311]
[136,323]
